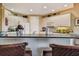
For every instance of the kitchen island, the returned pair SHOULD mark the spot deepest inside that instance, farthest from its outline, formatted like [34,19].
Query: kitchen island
[40,41]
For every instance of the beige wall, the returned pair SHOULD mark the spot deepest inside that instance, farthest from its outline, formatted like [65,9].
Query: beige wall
[1,16]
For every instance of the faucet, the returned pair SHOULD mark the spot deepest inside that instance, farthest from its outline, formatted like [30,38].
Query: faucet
[34,32]
[46,31]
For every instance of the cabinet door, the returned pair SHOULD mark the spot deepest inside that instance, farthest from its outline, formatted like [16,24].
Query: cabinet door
[26,28]
[60,20]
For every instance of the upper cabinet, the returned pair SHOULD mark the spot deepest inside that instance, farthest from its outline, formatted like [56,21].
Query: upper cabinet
[59,20]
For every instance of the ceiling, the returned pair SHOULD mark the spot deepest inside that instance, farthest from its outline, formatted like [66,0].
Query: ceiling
[36,8]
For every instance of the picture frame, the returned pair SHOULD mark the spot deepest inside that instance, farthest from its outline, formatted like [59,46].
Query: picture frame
[77,22]
[6,21]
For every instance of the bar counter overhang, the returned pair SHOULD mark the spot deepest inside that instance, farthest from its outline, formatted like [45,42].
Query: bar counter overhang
[45,36]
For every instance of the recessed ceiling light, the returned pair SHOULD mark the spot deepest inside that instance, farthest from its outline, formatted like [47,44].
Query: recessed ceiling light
[45,7]
[31,9]
[53,10]
[11,9]
[65,5]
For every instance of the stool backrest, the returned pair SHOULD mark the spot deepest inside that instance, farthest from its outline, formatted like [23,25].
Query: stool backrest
[13,49]
[62,50]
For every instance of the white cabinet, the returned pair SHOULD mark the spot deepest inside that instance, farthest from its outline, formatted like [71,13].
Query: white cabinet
[11,33]
[60,20]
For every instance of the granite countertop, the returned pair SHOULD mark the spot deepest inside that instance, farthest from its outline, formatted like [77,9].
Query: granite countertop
[44,36]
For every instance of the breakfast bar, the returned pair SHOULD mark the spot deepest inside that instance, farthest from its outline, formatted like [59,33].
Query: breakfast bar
[36,42]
